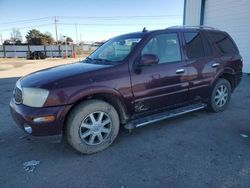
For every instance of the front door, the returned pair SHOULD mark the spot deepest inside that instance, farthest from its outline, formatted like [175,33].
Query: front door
[164,84]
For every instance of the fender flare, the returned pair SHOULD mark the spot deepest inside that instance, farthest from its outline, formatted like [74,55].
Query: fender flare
[89,91]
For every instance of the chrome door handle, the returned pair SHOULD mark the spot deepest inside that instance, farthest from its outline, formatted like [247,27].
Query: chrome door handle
[179,71]
[214,65]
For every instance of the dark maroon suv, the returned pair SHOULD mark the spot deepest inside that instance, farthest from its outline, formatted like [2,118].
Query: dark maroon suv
[131,80]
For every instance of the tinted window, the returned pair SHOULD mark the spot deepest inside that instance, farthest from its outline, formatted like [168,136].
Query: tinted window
[224,43]
[207,47]
[194,46]
[165,46]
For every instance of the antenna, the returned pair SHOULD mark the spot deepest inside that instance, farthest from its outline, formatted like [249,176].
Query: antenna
[144,29]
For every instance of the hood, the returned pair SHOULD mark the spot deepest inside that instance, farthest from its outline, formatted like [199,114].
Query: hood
[50,75]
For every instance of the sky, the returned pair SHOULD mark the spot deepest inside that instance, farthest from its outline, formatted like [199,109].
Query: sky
[88,20]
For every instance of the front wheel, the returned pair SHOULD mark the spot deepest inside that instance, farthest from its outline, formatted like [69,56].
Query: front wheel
[92,126]
[221,96]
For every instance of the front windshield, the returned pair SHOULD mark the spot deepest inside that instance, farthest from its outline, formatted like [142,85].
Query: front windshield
[115,50]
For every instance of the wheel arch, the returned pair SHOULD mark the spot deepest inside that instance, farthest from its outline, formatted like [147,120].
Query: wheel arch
[227,74]
[112,97]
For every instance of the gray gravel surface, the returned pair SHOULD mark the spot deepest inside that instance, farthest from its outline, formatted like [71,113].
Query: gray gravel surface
[200,149]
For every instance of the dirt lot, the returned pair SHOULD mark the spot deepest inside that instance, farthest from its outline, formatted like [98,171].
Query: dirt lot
[200,149]
[13,67]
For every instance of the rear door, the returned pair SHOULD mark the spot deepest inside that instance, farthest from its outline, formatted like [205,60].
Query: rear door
[165,84]
[201,65]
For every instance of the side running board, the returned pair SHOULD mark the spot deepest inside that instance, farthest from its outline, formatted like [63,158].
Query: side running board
[164,115]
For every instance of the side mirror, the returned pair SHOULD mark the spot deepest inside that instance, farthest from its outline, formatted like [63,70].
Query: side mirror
[148,60]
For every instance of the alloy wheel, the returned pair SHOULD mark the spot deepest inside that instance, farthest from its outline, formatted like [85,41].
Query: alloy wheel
[221,96]
[95,128]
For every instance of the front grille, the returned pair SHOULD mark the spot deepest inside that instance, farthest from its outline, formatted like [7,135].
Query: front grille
[18,96]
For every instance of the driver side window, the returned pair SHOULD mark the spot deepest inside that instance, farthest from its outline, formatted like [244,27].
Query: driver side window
[165,46]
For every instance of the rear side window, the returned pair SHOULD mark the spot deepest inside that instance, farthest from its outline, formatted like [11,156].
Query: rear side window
[194,46]
[224,43]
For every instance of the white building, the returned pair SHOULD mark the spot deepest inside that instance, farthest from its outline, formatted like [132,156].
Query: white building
[232,16]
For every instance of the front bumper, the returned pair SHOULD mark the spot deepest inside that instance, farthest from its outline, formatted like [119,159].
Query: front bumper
[24,115]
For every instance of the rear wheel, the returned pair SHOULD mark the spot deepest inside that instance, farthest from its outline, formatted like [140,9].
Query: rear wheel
[221,96]
[92,126]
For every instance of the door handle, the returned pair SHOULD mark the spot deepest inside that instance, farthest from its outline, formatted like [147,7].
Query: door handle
[180,71]
[214,65]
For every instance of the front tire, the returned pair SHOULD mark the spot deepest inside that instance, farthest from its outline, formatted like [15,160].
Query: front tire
[220,96]
[92,126]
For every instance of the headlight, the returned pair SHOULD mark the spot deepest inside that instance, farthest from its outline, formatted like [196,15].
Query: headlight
[34,97]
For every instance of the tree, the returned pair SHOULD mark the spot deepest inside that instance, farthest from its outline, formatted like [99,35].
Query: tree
[35,37]
[63,39]
[16,36]
[7,42]
[69,40]
[47,38]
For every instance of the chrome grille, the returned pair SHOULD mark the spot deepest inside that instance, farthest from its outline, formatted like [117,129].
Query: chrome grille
[18,96]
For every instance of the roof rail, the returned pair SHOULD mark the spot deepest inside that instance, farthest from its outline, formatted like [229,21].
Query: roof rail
[191,27]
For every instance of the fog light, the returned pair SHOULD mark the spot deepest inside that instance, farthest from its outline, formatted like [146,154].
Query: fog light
[44,119]
[27,128]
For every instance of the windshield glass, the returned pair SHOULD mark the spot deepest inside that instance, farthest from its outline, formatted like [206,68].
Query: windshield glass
[115,50]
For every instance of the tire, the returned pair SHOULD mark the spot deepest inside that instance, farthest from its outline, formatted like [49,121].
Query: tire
[220,96]
[88,129]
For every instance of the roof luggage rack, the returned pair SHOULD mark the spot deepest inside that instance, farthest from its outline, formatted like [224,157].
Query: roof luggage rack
[191,27]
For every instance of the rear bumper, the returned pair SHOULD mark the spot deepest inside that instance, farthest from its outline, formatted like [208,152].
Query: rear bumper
[24,116]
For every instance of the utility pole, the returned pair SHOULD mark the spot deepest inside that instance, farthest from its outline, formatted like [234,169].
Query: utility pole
[77,42]
[14,49]
[1,38]
[66,47]
[56,30]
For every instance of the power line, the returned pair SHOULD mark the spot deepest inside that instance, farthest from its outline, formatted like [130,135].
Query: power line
[106,24]
[93,21]
[119,17]
[91,17]
[56,23]
[25,21]
[26,27]
[96,18]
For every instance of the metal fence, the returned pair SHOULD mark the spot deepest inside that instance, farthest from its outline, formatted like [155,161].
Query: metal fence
[8,51]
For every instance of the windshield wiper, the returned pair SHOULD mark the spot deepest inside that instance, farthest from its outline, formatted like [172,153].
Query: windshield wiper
[97,61]
[102,60]
[87,60]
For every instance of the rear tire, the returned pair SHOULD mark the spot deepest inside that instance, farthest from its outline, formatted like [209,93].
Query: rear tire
[92,126]
[220,96]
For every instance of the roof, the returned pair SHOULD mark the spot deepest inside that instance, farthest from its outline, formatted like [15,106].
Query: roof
[177,28]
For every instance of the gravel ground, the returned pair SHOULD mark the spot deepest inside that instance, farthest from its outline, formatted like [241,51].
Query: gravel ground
[18,67]
[199,149]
